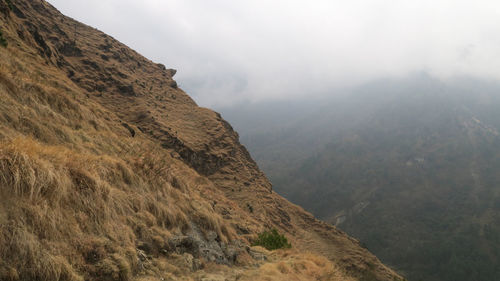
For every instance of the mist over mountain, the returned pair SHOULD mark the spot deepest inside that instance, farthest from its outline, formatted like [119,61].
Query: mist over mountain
[407,165]
[255,50]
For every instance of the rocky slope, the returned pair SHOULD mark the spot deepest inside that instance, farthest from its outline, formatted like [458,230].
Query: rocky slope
[109,171]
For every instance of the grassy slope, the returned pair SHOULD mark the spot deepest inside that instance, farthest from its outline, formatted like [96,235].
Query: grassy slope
[84,199]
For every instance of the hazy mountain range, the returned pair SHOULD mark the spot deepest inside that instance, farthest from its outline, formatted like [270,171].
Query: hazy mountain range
[407,165]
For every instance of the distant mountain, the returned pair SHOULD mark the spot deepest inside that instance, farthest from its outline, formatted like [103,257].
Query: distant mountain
[409,166]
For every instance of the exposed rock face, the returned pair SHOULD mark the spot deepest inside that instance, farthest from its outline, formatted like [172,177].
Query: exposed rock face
[199,197]
[210,248]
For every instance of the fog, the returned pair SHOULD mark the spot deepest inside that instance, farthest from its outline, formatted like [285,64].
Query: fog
[234,51]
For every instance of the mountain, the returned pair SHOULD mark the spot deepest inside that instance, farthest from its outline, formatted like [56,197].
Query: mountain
[109,171]
[408,166]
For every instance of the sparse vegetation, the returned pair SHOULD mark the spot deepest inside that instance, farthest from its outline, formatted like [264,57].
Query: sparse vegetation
[272,240]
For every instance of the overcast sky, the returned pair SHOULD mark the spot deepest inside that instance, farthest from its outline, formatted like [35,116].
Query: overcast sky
[230,51]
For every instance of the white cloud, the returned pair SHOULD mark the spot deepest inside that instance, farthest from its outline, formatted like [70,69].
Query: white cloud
[228,51]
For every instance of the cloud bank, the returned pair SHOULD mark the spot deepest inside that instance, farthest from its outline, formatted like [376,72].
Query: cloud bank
[230,51]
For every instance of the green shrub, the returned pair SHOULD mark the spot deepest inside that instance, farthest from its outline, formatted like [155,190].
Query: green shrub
[272,240]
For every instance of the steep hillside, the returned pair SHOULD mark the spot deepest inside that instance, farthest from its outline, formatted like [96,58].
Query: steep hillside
[408,166]
[109,171]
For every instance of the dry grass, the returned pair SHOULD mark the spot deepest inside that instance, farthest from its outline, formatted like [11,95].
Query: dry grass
[298,266]
[283,265]
[26,258]
[55,194]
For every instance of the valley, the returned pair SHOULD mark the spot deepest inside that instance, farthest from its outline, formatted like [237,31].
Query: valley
[408,166]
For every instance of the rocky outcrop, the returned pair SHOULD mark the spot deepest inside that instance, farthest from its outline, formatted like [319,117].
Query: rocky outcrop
[208,247]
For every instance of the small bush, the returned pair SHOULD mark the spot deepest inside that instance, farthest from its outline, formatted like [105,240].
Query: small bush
[272,240]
